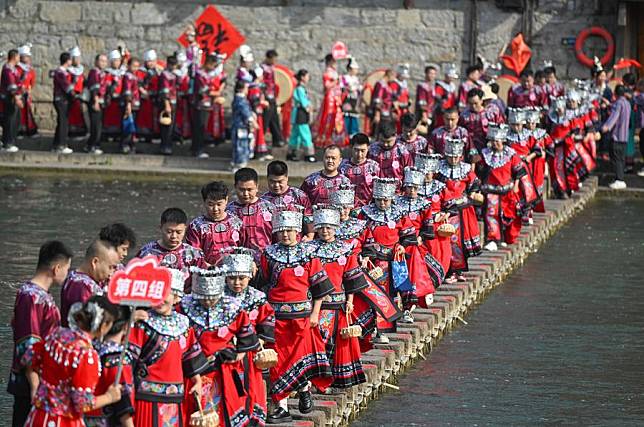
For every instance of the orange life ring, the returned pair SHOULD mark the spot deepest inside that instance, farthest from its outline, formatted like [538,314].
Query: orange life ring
[581,39]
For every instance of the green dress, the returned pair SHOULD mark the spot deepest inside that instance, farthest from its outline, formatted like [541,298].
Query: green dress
[300,133]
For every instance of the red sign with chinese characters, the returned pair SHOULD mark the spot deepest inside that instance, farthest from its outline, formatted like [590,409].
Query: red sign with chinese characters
[143,283]
[215,34]
[339,50]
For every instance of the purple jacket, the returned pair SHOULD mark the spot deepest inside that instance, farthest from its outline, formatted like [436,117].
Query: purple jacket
[618,120]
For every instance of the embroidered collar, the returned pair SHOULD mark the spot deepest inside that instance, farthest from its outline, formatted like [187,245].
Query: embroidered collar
[221,314]
[76,70]
[250,298]
[25,67]
[496,159]
[457,172]
[409,205]
[290,256]
[539,133]
[68,346]
[350,229]
[330,251]
[434,187]
[173,325]
[381,217]
[518,137]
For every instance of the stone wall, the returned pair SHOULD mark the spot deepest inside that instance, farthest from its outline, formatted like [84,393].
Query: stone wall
[377,33]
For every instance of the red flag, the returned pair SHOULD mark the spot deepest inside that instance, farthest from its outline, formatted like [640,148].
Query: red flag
[215,34]
[625,63]
[520,55]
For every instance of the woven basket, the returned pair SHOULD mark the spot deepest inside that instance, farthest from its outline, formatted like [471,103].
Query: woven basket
[165,119]
[201,418]
[477,198]
[446,230]
[351,331]
[265,358]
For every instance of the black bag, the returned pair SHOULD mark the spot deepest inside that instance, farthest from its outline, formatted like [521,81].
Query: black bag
[301,116]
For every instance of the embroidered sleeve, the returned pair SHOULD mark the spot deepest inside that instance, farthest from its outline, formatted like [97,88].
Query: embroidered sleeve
[353,278]
[518,170]
[246,338]
[193,361]
[84,381]
[427,226]
[369,247]
[25,350]
[408,236]
[265,323]
[474,184]
[109,371]
[319,282]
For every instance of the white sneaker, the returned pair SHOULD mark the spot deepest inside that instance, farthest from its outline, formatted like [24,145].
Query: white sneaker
[407,317]
[64,150]
[618,185]
[491,247]
[380,339]
[203,155]
[429,299]
[11,149]
[641,172]
[530,221]
[504,245]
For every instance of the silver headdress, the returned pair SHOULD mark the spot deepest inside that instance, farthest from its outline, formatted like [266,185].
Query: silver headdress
[516,116]
[497,132]
[238,263]
[325,216]
[532,115]
[177,284]
[454,147]
[384,188]
[344,196]
[207,284]
[413,176]
[558,102]
[403,70]
[287,220]
[451,71]
[573,95]
[427,163]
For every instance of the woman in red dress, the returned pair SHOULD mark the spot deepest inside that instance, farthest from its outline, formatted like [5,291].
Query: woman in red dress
[440,247]
[372,300]
[166,352]
[330,128]
[296,283]
[460,183]
[501,172]
[519,139]
[27,77]
[341,265]
[216,125]
[109,352]
[384,222]
[76,119]
[112,115]
[225,334]
[539,140]
[69,368]
[239,268]
[425,272]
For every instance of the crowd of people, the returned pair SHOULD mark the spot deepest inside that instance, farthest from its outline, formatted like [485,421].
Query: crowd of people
[280,293]
[181,98]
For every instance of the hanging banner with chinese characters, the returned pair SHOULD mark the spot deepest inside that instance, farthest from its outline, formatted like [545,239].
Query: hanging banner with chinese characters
[143,283]
[214,34]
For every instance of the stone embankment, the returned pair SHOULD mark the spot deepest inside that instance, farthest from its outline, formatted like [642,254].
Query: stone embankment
[387,362]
